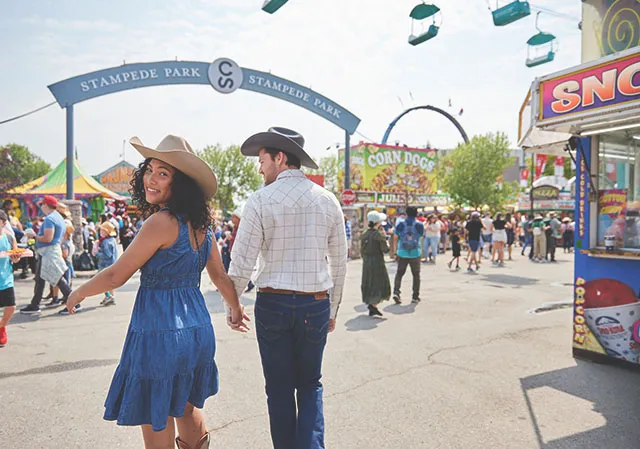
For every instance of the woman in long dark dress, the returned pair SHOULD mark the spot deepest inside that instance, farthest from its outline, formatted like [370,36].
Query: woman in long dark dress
[375,279]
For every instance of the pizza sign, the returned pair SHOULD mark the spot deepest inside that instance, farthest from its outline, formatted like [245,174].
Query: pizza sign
[546,193]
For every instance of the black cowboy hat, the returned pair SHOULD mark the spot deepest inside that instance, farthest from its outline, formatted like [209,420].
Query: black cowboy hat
[283,139]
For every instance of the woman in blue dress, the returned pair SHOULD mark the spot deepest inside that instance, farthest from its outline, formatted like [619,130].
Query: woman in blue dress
[167,367]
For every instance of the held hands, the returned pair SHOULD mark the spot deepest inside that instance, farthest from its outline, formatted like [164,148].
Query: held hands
[236,319]
[332,324]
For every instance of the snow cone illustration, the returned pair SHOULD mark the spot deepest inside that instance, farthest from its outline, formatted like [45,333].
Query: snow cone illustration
[611,309]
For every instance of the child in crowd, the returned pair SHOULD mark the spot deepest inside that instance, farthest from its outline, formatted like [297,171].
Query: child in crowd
[7,294]
[455,248]
[68,249]
[106,250]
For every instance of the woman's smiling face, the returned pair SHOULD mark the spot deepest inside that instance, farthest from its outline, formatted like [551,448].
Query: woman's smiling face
[157,182]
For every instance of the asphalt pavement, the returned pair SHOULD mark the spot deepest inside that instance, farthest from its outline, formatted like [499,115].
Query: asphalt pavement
[471,366]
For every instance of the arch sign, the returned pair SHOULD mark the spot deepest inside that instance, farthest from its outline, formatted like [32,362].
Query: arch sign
[223,74]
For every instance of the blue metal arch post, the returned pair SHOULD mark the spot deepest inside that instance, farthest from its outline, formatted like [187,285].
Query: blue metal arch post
[431,108]
[347,160]
[70,156]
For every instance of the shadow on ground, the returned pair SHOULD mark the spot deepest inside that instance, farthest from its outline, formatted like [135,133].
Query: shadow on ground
[363,323]
[613,393]
[507,279]
[47,313]
[61,367]
[400,309]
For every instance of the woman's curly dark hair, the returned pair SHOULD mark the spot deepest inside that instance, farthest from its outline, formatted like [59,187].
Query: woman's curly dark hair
[187,198]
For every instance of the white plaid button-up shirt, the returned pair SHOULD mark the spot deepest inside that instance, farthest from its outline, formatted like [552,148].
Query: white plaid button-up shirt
[297,229]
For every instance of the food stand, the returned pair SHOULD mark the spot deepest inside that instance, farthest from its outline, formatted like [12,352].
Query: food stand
[392,177]
[597,105]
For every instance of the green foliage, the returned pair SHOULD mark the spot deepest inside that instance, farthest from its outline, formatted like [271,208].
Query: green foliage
[237,175]
[328,166]
[471,174]
[18,166]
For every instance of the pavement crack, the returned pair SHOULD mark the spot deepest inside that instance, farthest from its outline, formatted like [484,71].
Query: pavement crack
[236,421]
[431,361]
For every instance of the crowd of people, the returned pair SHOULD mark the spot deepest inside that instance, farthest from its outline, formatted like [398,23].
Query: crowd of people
[44,246]
[416,238]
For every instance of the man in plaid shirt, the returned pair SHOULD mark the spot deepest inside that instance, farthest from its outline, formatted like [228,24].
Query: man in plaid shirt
[295,230]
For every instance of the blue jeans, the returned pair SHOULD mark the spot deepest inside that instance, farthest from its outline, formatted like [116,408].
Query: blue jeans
[431,242]
[292,332]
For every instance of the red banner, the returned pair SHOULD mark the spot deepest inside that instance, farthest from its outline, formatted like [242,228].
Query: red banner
[318,179]
[524,177]
[541,163]
[559,166]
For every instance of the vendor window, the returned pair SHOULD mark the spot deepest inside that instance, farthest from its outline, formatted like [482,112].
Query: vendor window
[619,189]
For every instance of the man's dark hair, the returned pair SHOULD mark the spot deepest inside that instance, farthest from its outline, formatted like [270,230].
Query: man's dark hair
[412,212]
[292,161]
[6,203]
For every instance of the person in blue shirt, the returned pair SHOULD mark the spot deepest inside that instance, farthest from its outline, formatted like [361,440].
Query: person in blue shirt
[347,230]
[51,265]
[407,239]
[7,294]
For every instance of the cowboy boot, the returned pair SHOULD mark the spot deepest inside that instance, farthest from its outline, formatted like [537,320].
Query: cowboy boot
[203,443]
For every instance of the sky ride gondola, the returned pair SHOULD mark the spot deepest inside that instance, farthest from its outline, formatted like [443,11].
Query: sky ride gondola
[509,13]
[541,47]
[419,14]
[272,6]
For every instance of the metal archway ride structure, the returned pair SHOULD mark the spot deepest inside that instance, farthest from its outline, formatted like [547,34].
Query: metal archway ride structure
[430,108]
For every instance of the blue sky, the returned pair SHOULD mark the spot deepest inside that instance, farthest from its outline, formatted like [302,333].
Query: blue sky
[356,53]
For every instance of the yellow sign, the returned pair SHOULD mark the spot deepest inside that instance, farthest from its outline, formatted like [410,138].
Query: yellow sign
[384,168]
[118,178]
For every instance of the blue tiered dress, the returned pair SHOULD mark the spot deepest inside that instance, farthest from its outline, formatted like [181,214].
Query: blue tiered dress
[168,355]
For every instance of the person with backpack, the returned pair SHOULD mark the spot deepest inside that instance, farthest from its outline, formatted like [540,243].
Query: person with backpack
[407,240]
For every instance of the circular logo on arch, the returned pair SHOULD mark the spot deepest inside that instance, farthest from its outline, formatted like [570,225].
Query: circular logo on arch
[225,75]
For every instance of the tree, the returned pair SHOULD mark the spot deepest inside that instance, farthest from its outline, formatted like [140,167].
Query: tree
[328,166]
[471,173]
[18,166]
[237,174]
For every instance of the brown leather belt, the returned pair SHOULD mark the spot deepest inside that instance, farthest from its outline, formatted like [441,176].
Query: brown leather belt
[277,291]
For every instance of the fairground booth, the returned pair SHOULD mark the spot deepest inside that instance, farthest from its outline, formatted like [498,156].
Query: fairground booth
[392,177]
[95,197]
[592,113]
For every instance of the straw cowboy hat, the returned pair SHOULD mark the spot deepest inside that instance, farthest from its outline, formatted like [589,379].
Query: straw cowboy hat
[109,228]
[283,139]
[177,152]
